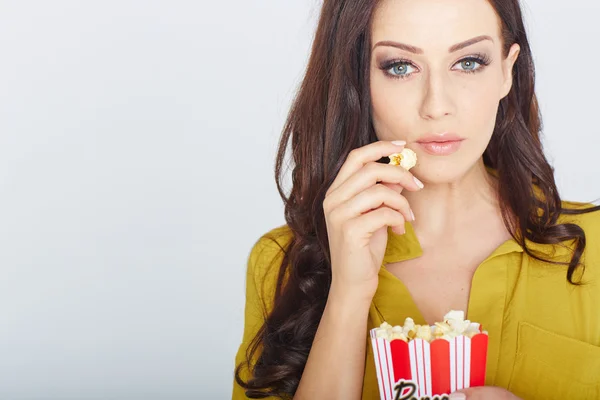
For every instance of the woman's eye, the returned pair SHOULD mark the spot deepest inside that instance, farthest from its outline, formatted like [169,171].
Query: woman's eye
[469,65]
[401,70]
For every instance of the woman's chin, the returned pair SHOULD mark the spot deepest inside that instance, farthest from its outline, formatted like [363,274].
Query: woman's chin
[440,172]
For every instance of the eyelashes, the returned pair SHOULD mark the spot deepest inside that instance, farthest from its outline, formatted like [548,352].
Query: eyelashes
[483,60]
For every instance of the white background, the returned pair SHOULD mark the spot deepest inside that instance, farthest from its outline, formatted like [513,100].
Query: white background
[126,217]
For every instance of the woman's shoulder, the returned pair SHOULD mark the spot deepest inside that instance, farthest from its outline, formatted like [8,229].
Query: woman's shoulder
[265,259]
[270,245]
[588,221]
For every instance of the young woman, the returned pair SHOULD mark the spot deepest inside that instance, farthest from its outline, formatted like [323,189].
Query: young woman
[477,225]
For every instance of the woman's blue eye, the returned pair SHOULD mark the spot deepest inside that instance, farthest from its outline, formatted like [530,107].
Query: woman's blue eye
[468,65]
[401,69]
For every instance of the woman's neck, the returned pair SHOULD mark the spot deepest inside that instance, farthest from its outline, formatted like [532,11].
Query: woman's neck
[450,209]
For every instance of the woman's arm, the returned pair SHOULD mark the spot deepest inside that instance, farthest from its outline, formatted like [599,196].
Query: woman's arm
[336,362]
[335,366]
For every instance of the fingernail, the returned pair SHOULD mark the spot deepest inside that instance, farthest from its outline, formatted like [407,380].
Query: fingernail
[399,142]
[413,215]
[419,183]
[458,396]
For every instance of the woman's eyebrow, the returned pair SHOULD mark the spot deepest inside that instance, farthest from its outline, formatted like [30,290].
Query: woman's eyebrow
[417,50]
[469,42]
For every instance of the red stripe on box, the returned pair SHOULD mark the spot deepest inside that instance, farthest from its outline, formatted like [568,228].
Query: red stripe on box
[440,366]
[401,360]
[479,345]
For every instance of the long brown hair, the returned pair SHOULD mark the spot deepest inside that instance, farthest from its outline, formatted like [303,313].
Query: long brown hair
[329,117]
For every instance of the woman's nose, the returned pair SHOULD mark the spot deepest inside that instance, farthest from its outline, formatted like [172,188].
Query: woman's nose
[436,102]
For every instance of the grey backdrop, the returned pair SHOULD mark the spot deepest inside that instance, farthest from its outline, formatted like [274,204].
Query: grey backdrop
[126,218]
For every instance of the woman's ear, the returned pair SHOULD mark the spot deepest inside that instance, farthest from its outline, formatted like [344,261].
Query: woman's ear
[507,69]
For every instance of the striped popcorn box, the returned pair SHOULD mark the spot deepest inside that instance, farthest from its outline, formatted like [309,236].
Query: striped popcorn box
[419,369]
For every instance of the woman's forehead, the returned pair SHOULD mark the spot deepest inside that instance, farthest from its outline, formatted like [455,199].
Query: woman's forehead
[434,24]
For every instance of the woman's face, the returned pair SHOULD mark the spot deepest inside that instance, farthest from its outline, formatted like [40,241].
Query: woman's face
[440,76]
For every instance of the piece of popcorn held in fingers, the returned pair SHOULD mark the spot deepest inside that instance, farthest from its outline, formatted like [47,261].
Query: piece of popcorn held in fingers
[406,159]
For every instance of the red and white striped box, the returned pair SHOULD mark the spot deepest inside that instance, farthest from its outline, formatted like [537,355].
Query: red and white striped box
[421,370]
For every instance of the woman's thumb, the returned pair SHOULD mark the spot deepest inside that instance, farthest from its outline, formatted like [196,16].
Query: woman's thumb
[461,395]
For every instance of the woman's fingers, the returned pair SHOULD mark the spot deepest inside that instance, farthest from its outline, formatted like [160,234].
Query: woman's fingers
[394,186]
[357,158]
[374,220]
[373,198]
[368,176]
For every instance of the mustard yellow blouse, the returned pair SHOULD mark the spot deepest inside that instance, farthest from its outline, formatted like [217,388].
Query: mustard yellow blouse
[544,334]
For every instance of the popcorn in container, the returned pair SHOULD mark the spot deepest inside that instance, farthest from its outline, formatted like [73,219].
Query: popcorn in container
[428,363]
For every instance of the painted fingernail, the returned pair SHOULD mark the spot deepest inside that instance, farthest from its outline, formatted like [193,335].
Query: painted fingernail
[419,183]
[399,142]
[458,396]
[413,215]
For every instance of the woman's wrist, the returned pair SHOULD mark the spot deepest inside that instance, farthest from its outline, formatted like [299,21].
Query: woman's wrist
[342,298]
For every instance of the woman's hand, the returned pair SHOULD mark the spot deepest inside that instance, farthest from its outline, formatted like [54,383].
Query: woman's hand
[483,393]
[358,209]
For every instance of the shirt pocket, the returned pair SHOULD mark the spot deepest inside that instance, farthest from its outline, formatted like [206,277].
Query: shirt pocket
[552,366]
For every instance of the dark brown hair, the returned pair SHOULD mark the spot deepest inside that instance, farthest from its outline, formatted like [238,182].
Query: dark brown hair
[330,116]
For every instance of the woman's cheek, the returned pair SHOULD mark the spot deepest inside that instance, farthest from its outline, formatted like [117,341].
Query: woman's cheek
[481,102]
[391,117]
[391,126]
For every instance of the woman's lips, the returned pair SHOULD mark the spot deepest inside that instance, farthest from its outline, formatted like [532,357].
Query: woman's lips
[441,148]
